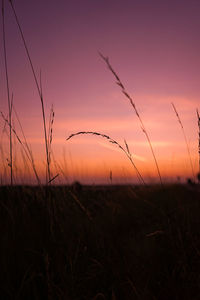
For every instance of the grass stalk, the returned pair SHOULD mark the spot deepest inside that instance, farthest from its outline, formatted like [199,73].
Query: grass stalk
[37,86]
[58,168]
[185,138]
[110,140]
[198,120]
[10,164]
[121,85]
[50,135]
[28,148]
[25,146]
[4,167]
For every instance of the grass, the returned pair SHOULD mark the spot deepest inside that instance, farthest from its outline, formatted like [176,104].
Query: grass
[127,95]
[185,138]
[110,140]
[39,89]
[198,120]
[24,144]
[95,242]
[10,101]
[138,243]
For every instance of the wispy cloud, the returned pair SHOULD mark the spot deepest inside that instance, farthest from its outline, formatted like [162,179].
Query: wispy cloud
[114,148]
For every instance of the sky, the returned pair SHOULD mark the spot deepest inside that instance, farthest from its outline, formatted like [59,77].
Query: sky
[154,48]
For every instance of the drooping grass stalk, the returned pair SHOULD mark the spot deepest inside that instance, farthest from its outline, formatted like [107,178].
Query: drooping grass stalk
[37,86]
[185,138]
[8,95]
[198,120]
[110,140]
[121,85]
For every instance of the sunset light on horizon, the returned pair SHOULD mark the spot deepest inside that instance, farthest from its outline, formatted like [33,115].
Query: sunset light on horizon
[153,46]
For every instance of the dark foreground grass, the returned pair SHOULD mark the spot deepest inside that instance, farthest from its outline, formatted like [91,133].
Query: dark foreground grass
[139,243]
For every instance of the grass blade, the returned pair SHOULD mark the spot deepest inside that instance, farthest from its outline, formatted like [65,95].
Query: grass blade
[110,140]
[37,85]
[121,85]
[198,120]
[185,138]
[8,94]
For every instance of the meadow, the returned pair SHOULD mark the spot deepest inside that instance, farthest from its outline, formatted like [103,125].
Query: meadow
[100,242]
[133,241]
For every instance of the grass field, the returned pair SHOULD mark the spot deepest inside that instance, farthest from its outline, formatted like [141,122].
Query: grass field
[94,242]
[113,242]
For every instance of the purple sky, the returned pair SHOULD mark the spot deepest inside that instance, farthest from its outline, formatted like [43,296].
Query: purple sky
[153,45]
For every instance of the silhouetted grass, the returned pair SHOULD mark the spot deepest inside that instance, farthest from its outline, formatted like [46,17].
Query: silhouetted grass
[96,242]
[9,98]
[39,89]
[139,243]
[198,121]
[127,95]
[185,139]
[24,144]
[110,140]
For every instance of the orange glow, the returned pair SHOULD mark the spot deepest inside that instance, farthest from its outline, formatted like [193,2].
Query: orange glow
[155,52]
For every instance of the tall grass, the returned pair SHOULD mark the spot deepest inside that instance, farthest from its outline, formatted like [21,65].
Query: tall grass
[48,179]
[185,138]
[49,140]
[198,120]
[10,102]
[26,148]
[48,128]
[110,140]
[127,95]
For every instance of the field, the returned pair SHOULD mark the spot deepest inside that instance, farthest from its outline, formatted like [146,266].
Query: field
[100,242]
[79,242]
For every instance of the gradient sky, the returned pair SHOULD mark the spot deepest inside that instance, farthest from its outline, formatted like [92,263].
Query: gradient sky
[154,47]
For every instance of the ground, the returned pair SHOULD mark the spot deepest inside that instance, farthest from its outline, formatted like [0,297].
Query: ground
[100,242]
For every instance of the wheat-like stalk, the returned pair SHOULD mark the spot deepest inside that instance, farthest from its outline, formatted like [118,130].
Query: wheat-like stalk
[37,86]
[185,138]
[127,95]
[110,140]
[50,132]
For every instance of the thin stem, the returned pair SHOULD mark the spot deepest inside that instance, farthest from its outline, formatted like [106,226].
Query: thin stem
[121,85]
[128,154]
[37,85]
[8,94]
[25,147]
[185,138]
[198,120]
[30,154]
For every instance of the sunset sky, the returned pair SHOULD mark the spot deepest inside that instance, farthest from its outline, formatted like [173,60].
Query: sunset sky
[154,46]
